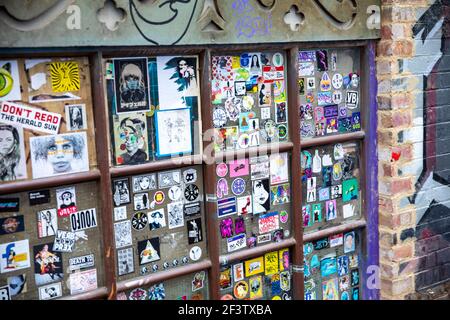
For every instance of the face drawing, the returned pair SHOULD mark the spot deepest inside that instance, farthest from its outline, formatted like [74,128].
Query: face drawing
[260,194]
[60,154]
[349,242]
[7,142]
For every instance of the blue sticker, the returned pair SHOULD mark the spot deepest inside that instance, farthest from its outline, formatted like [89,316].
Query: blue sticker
[328,266]
[342,265]
[226,207]
[324,194]
[238,186]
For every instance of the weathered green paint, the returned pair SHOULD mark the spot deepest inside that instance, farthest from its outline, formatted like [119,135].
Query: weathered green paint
[50,30]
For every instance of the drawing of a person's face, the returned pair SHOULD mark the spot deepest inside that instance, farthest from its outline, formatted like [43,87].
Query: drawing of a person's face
[60,154]
[349,242]
[144,183]
[6,142]
[260,193]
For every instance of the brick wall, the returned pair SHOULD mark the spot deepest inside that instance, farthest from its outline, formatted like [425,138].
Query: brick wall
[413,66]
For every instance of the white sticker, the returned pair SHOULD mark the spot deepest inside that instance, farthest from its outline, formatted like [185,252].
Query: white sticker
[83,220]
[83,281]
[237,242]
[195,253]
[50,291]
[120,213]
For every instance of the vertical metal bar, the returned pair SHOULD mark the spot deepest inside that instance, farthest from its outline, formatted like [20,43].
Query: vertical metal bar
[296,180]
[370,264]
[209,174]
[101,136]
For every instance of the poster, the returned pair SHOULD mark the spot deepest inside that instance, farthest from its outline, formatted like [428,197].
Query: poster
[14,256]
[12,153]
[131,139]
[47,223]
[83,281]
[59,154]
[76,118]
[177,82]
[48,264]
[132,85]
[173,132]
[9,81]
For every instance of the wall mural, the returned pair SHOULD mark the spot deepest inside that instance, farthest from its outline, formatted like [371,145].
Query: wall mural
[110,22]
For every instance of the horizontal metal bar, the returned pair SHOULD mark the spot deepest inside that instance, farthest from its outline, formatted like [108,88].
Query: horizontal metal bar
[56,181]
[163,276]
[272,148]
[257,251]
[359,135]
[100,293]
[359,224]
[154,166]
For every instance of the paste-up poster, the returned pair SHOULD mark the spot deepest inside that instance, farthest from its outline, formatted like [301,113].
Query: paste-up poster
[131,139]
[59,154]
[177,82]
[53,81]
[12,153]
[173,132]
[9,81]
[132,85]
[48,264]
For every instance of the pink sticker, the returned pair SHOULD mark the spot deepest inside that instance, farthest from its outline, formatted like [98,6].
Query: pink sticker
[239,168]
[222,170]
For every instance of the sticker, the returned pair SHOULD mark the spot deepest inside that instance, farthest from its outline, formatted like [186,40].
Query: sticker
[254,266]
[352,99]
[356,121]
[237,242]
[120,213]
[138,294]
[332,125]
[17,285]
[238,186]
[64,241]
[281,113]
[226,207]
[11,225]
[324,194]
[260,167]
[194,231]
[139,221]
[76,117]
[342,263]
[156,219]
[350,190]
[195,253]
[144,183]
[83,281]
[331,210]
[66,201]
[354,81]
[39,197]
[191,209]
[238,272]
[307,56]
[305,69]
[225,279]
[306,216]
[336,240]
[247,103]
[30,118]
[271,263]
[265,113]
[273,74]
[321,244]
[337,81]
[190,176]
[324,98]
[222,170]
[337,97]
[83,220]
[198,281]
[330,289]
[261,196]
[264,94]
[159,197]
[9,81]
[14,256]
[348,210]
[122,234]
[264,238]
[149,250]
[48,265]
[141,201]
[81,262]
[336,192]
[328,265]
[344,283]
[282,131]
[239,168]
[301,86]
[280,194]
[169,178]
[310,83]
[239,225]
[317,212]
[239,88]
[240,290]
[244,141]
[268,130]
[279,169]
[349,242]
[325,82]
[322,60]
[226,228]
[285,281]
[121,191]
[4,293]
[256,287]
[278,59]
[50,291]
[244,205]
[331,111]
[191,192]
[175,214]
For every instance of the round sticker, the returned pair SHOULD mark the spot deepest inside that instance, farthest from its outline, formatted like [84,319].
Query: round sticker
[219,117]
[166,265]
[155,267]
[238,186]
[139,220]
[282,131]
[276,298]
[174,193]
[159,197]
[240,289]
[247,103]
[227,297]
[284,216]
[337,81]
[191,192]
[195,253]
[337,97]
[277,59]
[184,260]
[244,141]
[222,170]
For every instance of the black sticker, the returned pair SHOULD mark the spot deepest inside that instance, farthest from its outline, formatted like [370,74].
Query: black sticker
[194,229]
[39,197]
[321,244]
[191,209]
[9,205]
[10,225]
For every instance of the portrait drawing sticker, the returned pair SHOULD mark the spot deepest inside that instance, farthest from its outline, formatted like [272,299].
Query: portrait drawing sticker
[177,82]
[14,256]
[12,153]
[173,132]
[131,84]
[59,154]
[9,81]
[131,139]
[47,223]
[76,117]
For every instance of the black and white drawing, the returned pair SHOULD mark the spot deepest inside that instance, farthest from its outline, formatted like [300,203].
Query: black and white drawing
[66,199]
[156,219]
[120,213]
[194,230]
[59,154]
[173,132]
[50,291]
[76,117]
[122,234]
[139,221]
[144,183]
[121,191]
[47,223]
[261,196]
[12,153]
[175,214]
[125,261]
[141,201]
[169,178]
